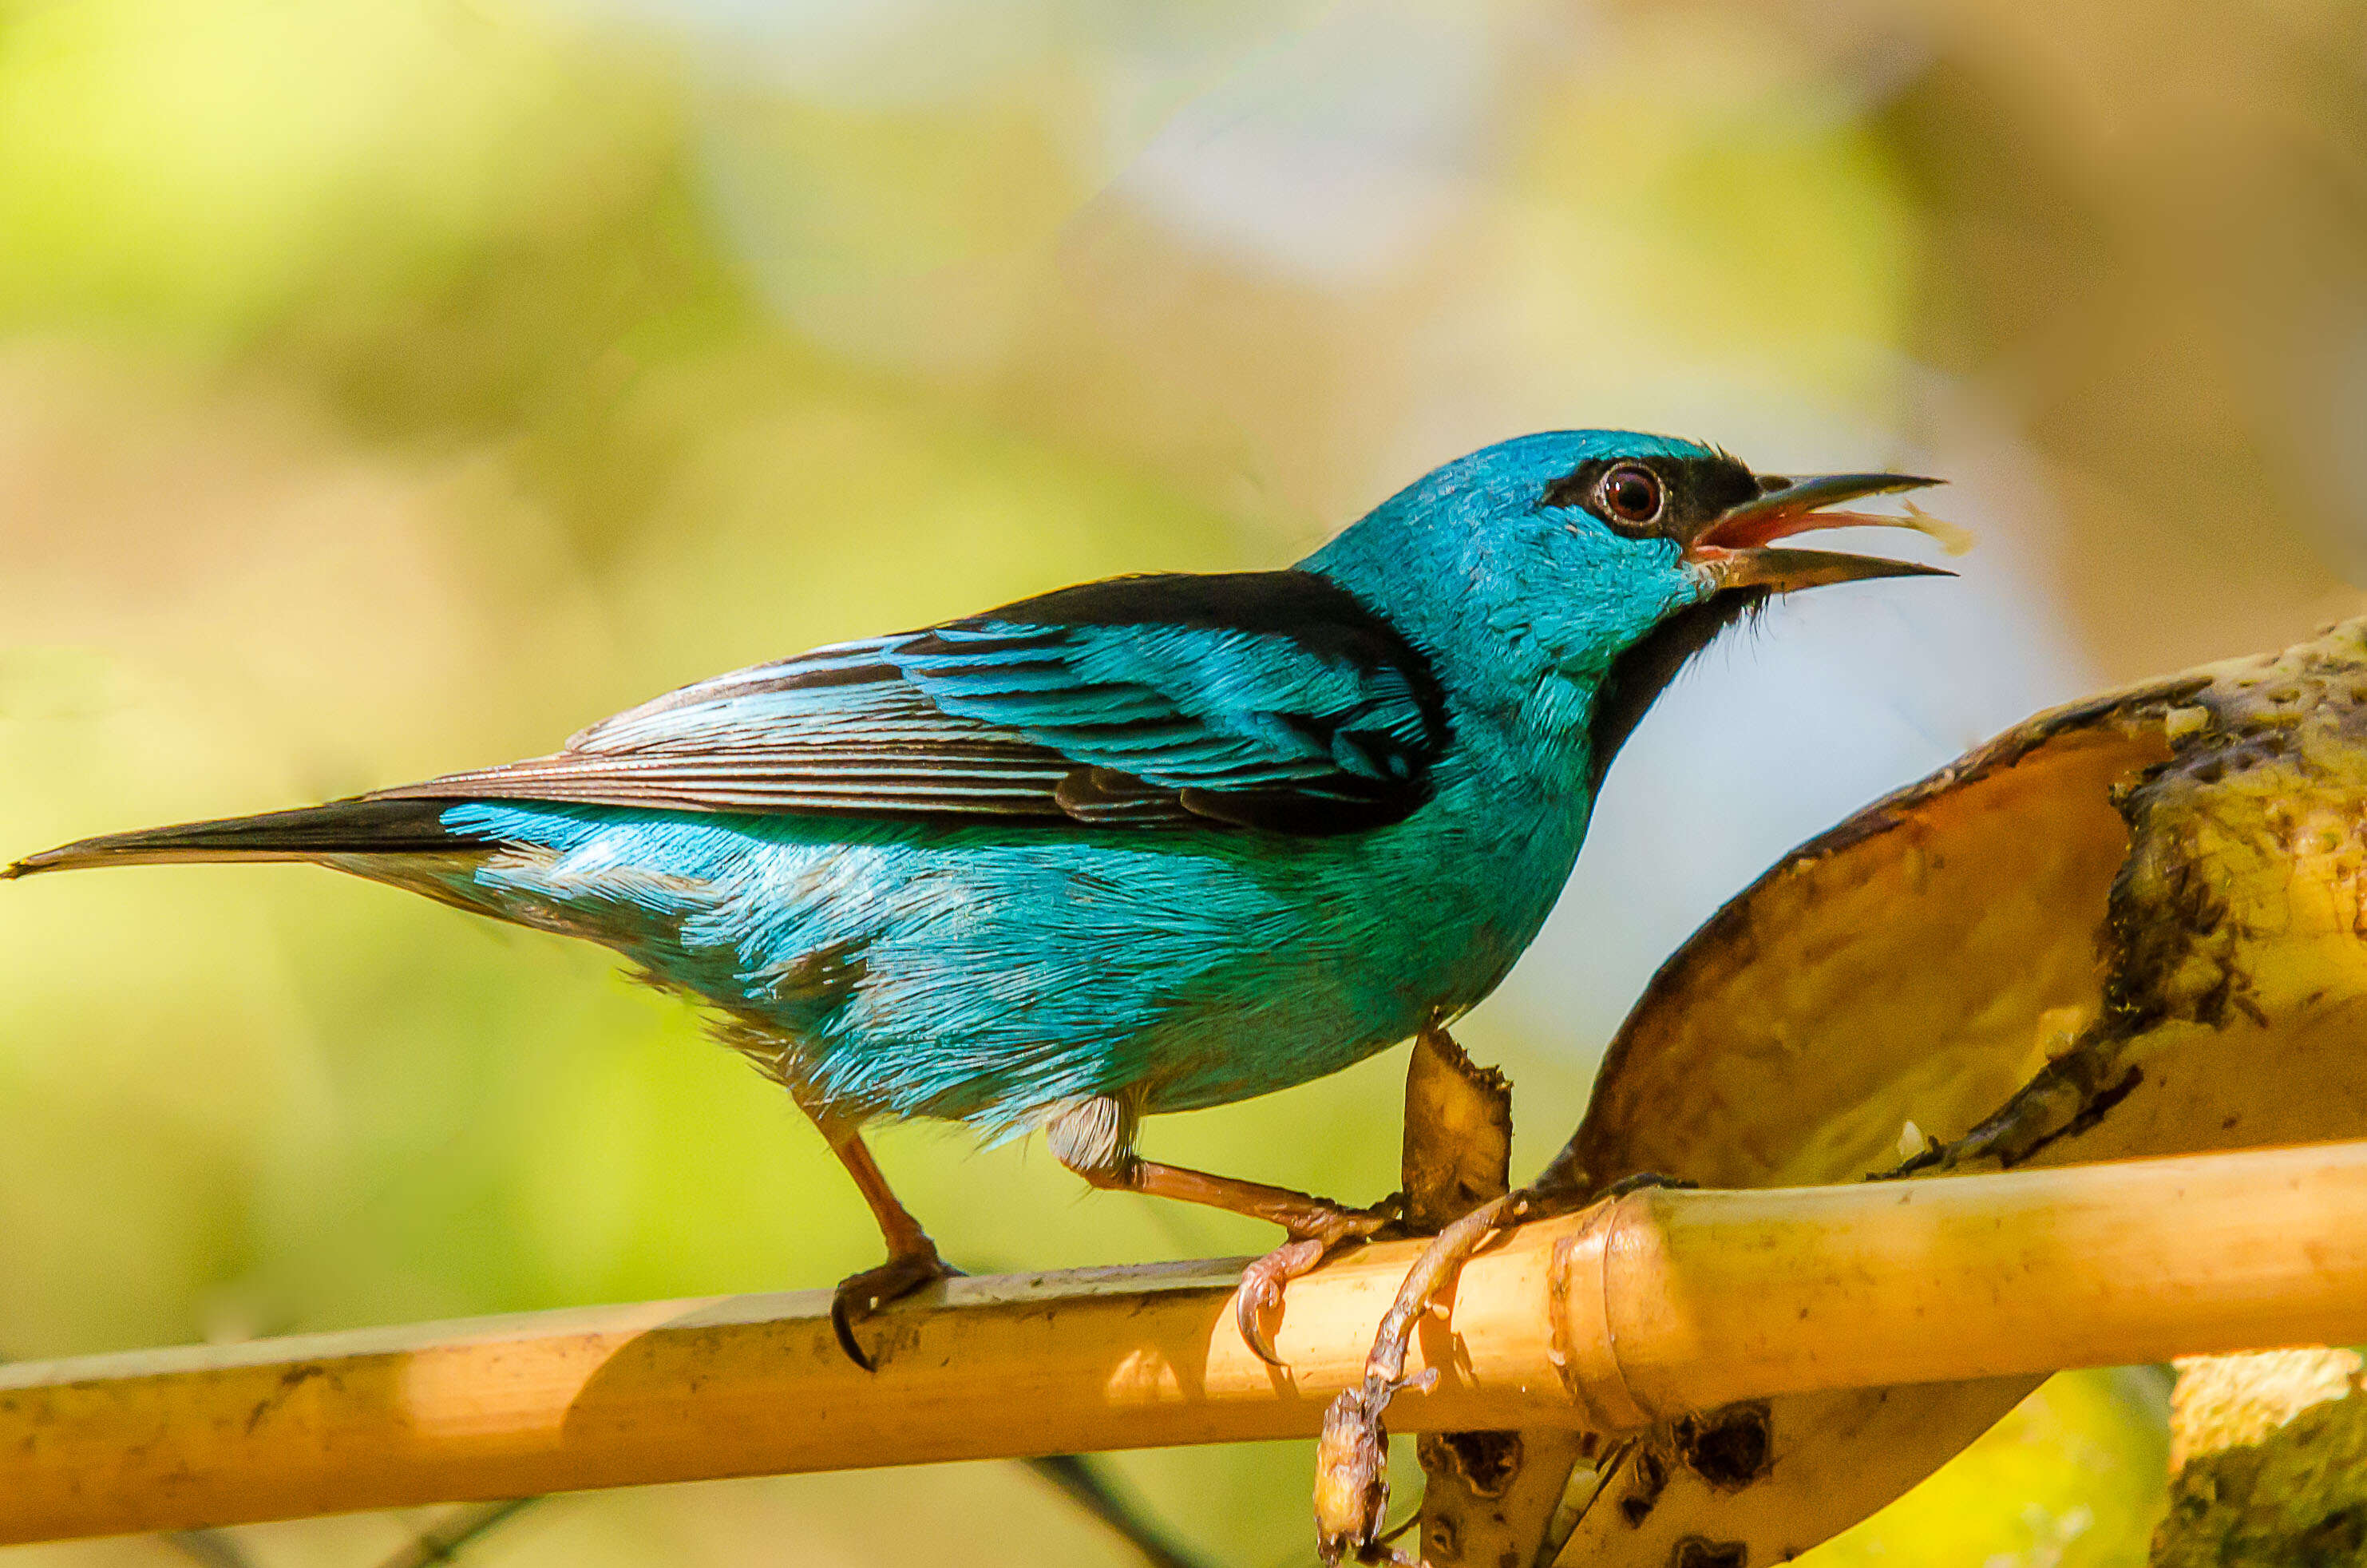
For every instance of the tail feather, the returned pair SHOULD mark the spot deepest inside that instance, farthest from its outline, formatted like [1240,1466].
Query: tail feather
[342,827]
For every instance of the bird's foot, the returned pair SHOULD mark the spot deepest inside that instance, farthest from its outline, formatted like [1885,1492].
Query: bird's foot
[1312,1238]
[1351,1488]
[1453,1246]
[860,1295]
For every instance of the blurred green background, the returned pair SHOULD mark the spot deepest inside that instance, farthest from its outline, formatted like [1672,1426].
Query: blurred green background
[393,386]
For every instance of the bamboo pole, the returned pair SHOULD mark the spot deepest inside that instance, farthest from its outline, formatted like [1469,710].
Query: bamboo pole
[1658,1303]
[1690,1301]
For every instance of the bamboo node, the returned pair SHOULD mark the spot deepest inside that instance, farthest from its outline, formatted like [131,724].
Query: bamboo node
[1583,1347]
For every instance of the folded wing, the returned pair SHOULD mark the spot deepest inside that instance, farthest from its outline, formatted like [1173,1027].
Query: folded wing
[1270,699]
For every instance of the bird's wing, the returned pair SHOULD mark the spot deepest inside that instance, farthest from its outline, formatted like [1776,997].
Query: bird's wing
[1270,699]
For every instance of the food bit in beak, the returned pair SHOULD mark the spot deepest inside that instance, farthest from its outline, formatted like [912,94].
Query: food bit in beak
[1734,546]
[1956,540]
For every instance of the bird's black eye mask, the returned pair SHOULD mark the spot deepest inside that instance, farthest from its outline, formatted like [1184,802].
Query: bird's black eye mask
[1657,497]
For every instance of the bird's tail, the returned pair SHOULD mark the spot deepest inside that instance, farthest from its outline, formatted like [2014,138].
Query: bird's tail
[311,833]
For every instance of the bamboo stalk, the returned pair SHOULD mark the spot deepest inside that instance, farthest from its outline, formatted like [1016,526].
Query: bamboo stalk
[1691,1300]
[1659,1303]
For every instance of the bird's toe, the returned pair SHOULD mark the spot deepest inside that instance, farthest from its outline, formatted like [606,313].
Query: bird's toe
[861,1295]
[1262,1290]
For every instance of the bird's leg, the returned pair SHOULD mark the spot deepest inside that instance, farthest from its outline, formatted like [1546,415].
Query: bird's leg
[1094,1138]
[1453,1246]
[913,1260]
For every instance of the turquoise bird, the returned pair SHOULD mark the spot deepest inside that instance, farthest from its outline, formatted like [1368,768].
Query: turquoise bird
[1143,845]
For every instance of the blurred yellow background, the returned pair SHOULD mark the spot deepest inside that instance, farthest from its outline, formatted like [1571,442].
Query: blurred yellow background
[393,386]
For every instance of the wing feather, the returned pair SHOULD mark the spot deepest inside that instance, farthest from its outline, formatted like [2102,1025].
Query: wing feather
[1260,700]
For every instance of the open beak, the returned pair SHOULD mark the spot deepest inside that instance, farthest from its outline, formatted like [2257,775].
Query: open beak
[1732,548]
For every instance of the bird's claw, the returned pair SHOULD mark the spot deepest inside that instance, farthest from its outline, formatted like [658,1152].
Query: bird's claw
[1262,1282]
[1647,1181]
[1262,1286]
[1352,1487]
[860,1295]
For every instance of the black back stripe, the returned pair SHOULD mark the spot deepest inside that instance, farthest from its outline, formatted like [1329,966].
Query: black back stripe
[887,749]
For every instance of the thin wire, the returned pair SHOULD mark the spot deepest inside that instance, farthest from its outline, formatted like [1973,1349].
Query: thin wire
[1094,1489]
[462,1528]
[215,1549]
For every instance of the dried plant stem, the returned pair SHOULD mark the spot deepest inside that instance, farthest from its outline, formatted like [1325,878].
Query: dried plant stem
[1652,1304]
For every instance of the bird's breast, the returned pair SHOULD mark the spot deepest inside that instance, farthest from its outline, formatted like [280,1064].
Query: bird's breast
[1470,878]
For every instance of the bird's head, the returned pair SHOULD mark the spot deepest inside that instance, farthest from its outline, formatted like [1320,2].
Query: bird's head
[1605,557]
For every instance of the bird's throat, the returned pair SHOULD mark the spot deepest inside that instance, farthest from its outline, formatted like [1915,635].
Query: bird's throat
[1644,670]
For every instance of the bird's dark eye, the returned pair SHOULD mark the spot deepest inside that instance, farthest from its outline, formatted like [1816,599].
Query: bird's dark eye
[1629,493]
